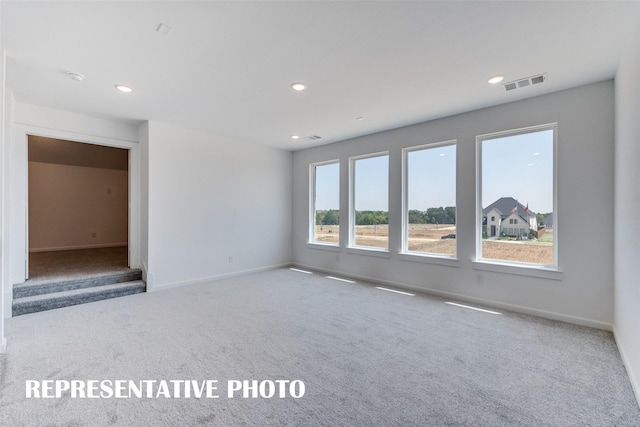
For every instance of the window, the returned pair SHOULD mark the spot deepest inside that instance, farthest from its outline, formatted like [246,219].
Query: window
[430,199]
[516,180]
[370,202]
[325,203]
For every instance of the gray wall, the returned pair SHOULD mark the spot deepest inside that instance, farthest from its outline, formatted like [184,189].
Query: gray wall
[582,293]
[216,206]
[627,226]
[2,211]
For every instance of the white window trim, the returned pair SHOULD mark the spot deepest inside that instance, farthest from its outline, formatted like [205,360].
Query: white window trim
[406,254]
[351,246]
[369,251]
[430,258]
[502,266]
[324,246]
[516,268]
[312,203]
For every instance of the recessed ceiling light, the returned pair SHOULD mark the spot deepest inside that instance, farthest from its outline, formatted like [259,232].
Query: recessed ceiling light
[298,86]
[360,118]
[123,88]
[295,136]
[495,80]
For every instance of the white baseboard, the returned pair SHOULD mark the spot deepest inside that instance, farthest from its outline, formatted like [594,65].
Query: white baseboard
[460,297]
[216,277]
[71,248]
[635,379]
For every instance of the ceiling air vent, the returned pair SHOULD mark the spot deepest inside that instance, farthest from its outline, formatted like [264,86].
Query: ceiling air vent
[537,79]
[528,81]
[314,137]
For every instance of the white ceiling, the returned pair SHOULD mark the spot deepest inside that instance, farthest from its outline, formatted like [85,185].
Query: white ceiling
[226,68]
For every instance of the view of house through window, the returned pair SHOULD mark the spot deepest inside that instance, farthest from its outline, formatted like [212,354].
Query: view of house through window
[326,203]
[517,196]
[370,202]
[430,207]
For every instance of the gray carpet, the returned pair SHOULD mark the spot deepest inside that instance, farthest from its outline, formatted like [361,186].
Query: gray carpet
[59,265]
[367,358]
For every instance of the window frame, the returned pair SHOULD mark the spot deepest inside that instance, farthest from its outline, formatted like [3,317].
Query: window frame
[404,248]
[551,271]
[312,203]
[351,246]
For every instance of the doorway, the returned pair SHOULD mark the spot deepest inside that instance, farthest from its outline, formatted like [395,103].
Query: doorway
[78,208]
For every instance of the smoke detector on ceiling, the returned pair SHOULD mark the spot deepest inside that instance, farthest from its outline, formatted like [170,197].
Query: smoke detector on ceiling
[164,29]
[75,76]
[527,81]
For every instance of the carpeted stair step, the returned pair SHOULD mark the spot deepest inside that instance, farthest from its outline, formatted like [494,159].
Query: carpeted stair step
[50,301]
[32,288]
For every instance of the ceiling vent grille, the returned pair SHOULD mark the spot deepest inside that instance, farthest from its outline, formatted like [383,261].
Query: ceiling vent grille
[314,137]
[528,81]
[537,79]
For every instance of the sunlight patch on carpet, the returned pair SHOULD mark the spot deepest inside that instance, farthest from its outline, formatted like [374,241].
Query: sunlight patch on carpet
[300,271]
[397,292]
[472,308]
[340,279]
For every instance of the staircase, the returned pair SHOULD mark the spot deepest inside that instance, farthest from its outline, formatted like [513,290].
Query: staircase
[34,296]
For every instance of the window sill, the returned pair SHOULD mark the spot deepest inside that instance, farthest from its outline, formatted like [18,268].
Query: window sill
[521,270]
[429,258]
[323,246]
[382,253]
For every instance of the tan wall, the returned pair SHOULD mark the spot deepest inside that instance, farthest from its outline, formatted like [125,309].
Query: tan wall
[69,205]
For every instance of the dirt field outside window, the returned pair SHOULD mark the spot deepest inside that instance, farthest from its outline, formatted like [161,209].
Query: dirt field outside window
[427,238]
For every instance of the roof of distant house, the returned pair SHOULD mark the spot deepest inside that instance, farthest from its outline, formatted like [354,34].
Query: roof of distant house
[505,206]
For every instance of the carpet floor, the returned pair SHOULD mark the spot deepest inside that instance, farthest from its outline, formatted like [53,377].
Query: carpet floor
[367,358]
[59,265]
